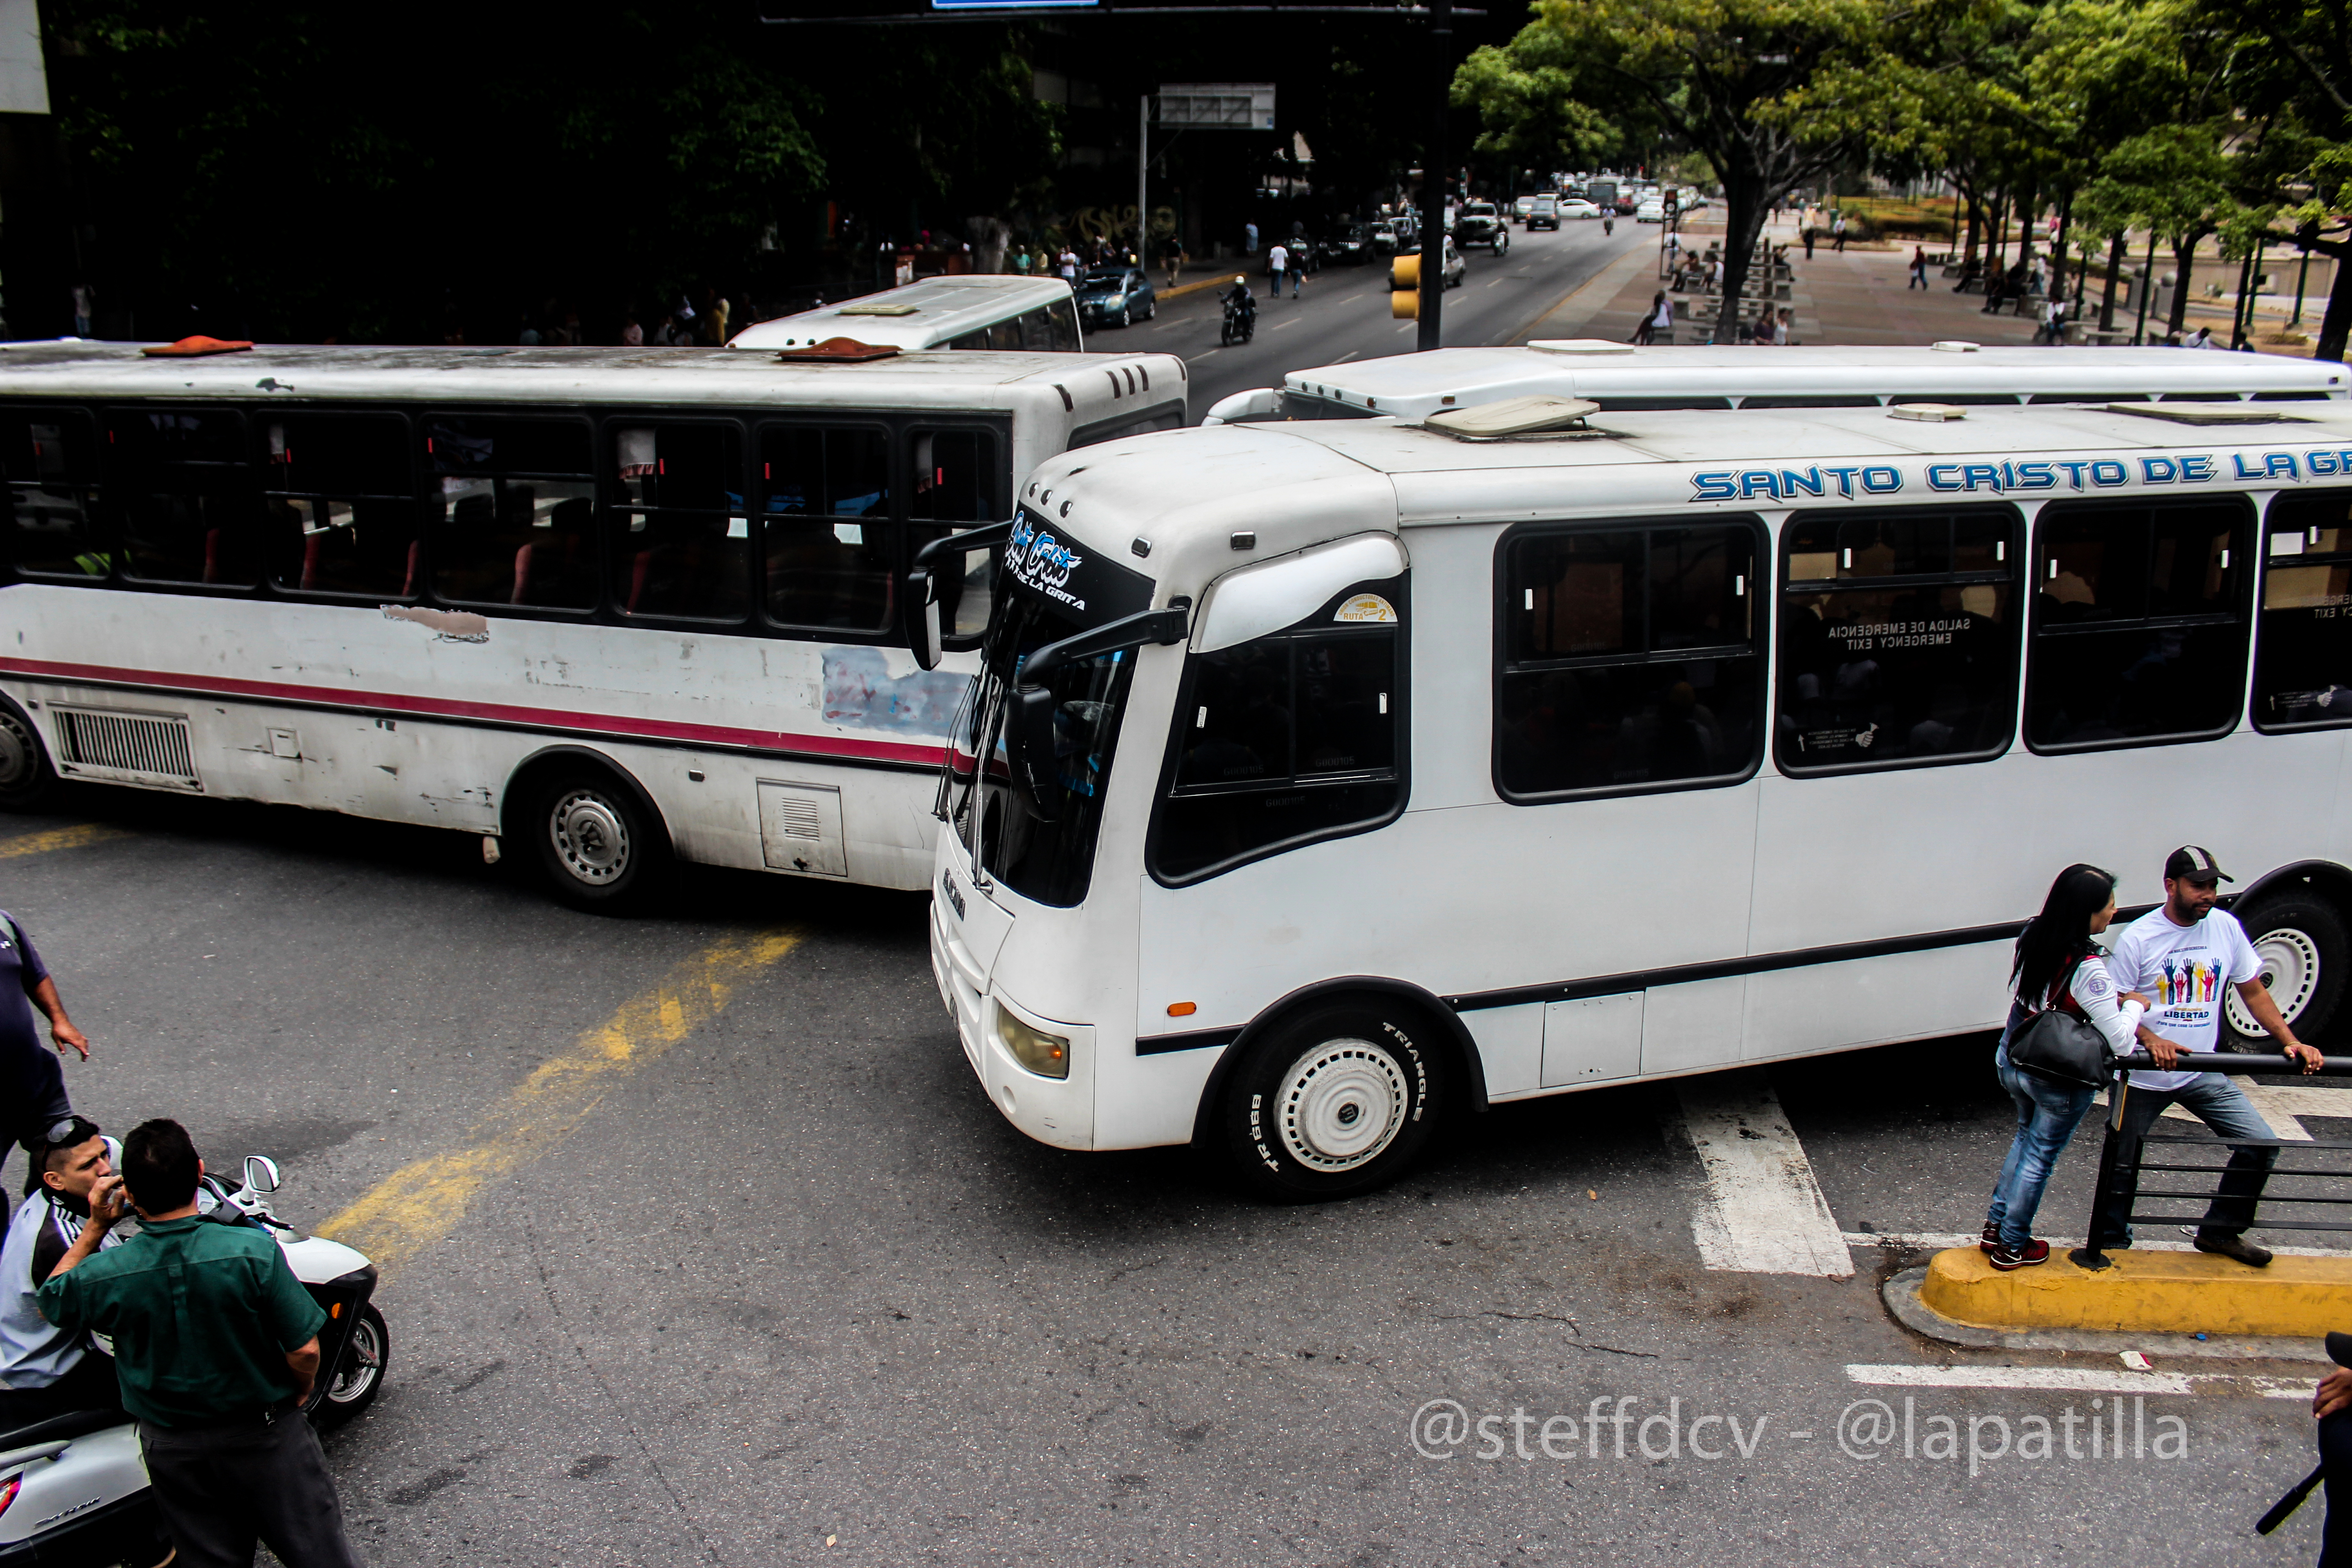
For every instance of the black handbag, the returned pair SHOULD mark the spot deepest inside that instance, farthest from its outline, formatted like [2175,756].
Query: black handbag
[2057,1045]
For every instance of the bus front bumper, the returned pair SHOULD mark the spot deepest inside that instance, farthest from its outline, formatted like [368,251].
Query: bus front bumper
[1056,1110]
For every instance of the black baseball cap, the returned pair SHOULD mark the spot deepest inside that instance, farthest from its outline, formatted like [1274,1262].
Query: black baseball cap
[2194,863]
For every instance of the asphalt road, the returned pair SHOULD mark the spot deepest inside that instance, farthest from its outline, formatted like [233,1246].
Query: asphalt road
[1342,313]
[703,1247]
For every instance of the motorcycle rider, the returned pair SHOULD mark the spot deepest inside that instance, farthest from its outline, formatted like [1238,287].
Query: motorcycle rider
[46,1370]
[1240,305]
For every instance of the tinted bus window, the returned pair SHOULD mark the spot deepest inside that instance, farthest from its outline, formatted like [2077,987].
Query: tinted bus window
[51,455]
[513,511]
[2303,642]
[827,526]
[1630,660]
[1898,638]
[338,504]
[681,534]
[179,482]
[2139,628]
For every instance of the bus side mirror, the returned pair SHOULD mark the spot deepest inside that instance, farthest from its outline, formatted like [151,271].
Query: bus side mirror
[1029,750]
[923,618]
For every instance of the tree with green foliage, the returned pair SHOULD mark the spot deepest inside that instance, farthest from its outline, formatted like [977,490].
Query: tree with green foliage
[1528,113]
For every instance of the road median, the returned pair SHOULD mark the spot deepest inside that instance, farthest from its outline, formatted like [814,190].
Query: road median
[2145,1292]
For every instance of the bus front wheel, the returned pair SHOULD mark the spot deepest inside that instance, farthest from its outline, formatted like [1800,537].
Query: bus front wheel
[1336,1101]
[2301,940]
[599,846]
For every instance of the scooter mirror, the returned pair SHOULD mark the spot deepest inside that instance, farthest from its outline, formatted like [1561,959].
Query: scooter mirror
[261,1172]
[114,1153]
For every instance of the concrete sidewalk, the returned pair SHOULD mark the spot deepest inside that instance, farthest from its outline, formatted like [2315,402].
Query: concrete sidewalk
[1860,296]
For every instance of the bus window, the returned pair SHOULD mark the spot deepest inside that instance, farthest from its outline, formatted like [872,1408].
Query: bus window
[2303,645]
[514,523]
[956,480]
[180,482]
[1630,660]
[1005,334]
[1289,739]
[1053,328]
[826,527]
[51,455]
[1898,638]
[338,504]
[681,534]
[2138,623]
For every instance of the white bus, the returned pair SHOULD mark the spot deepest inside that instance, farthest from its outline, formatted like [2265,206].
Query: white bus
[1345,774]
[1619,376]
[964,310]
[609,606]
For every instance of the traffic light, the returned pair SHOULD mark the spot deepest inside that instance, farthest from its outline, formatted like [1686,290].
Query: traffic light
[1404,284]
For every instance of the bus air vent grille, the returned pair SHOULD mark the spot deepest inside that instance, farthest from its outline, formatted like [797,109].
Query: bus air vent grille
[799,819]
[124,748]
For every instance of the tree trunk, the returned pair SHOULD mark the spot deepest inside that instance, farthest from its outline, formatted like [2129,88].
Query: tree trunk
[2183,256]
[1743,222]
[1997,259]
[1974,215]
[2114,273]
[2237,332]
[2336,325]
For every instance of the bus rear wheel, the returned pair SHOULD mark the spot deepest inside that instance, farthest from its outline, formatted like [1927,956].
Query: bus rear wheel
[599,848]
[26,780]
[2304,948]
[1336,1101]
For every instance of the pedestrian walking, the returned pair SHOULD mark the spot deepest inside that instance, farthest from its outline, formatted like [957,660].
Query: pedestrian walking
[2183,955]
[1918,269]
[1810,232]
[1297,267]
[1249,239]
[1839,230]
[1173,254]
[215,1348]
[33,1096]
[84,310]
[1277,261]
[1069,265]
[2054,965]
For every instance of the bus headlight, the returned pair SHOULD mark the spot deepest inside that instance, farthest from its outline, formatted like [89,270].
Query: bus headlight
[1047,1056]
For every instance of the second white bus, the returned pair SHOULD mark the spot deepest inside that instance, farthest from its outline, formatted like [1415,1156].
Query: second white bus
[1330,777]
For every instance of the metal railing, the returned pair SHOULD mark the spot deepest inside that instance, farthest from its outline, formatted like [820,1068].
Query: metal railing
[2125,1165]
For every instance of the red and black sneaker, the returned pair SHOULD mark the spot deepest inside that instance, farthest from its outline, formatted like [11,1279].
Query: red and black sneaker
[1990,1240]
[2006,1258]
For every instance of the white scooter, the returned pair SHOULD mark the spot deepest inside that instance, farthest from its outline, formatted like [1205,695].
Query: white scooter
[74,1490]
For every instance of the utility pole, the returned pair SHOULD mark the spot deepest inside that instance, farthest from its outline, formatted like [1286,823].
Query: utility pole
[1142,174]
[1433,159]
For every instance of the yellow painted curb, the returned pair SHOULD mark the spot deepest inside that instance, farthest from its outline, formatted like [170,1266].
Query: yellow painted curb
[2146,1292]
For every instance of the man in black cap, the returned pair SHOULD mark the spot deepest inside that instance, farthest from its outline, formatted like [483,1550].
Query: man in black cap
[2183,955]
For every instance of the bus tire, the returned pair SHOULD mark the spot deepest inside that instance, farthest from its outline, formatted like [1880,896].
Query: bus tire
[600,845]
[1335,1101]
[2300,940]
[26,779]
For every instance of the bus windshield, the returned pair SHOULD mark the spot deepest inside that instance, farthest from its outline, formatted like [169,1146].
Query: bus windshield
[1049,862]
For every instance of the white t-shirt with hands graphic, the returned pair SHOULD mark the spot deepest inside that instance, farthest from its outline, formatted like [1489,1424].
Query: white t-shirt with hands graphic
[2188,970]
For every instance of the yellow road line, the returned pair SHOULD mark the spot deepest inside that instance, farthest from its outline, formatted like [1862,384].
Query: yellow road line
[78,838]
[419,1204]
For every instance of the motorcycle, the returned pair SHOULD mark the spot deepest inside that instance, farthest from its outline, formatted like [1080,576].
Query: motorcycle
[73,1489]
[1240,317]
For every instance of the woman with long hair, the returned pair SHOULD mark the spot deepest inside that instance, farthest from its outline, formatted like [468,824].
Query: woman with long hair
[2056,965]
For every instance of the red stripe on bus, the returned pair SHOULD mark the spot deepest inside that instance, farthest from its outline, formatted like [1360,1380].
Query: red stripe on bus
[492,712]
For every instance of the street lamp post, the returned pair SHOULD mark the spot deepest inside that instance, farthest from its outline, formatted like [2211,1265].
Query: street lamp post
[1433,159]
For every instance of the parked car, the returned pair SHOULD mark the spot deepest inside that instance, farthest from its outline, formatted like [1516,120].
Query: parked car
[1545,214]
[1452,269]
[1651,211]
[1577,208]
[1116,296]
[1480,224]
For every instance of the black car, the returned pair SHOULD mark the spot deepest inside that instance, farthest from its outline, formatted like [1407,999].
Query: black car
[1116,296]
[1352,247]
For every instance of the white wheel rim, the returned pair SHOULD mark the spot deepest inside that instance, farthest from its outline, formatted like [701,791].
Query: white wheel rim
[1341,1105]
[590,837]
[2290,962]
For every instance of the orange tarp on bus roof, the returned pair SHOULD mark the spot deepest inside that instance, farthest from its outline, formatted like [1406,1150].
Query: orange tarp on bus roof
[189,348]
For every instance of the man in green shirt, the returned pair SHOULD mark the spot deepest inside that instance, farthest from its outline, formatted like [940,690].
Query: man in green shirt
[217,1348]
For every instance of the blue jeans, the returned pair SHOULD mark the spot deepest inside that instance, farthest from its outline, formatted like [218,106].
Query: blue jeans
[2222,1106]
[2047,1115]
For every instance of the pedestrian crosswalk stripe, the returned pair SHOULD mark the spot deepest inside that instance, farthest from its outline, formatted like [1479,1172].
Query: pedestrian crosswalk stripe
[1761,1211]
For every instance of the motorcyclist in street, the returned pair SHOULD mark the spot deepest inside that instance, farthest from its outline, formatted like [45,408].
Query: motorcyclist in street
[1608,224]
[1241,303]
[45,1371]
